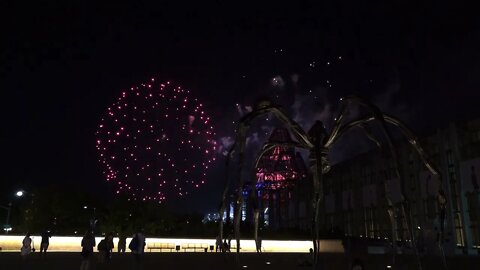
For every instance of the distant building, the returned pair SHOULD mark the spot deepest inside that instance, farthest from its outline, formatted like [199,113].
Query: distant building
[354,195]
[211,217]
[282,179]
[354,201]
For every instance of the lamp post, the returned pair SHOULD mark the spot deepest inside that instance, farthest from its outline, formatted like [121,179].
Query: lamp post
[93,220]
[7,226]
[29,212]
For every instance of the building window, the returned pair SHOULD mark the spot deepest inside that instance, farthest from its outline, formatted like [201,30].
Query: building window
[370,222]
[266,217]
[244,211]
[473,212]
[459,230]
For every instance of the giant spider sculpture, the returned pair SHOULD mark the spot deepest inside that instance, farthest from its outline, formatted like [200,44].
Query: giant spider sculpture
[318,142]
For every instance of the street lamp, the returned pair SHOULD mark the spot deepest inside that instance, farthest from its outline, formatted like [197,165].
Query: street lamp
[28,215]
[93,220]
[7,226]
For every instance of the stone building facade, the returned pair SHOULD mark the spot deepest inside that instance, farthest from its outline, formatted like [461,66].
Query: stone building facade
[355,200]
[355,204]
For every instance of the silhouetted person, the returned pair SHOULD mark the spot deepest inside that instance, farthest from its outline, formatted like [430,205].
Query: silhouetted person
[122,243]
[230,236]
[137,246]
[225,246]
[474,179]
[218,244]
[105,248]
[110,246]
[26,246]
[102,248]
[306,260]
[88,243]
[45,242]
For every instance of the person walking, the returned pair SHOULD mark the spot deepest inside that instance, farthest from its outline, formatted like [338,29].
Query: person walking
[137,246]
[225,246]
[218,244]
[105,248]
[122,243]
[230,236]
[26,248]
[45,242]
[110,246]
[88,243]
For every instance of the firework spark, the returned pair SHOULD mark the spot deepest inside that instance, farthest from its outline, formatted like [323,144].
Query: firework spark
[156,141]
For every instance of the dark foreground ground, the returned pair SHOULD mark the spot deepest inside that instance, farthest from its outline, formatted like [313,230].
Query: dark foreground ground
[213,261]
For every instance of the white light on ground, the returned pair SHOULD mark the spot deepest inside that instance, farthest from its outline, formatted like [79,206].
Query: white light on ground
[389,266]
[244,266]
[268,263]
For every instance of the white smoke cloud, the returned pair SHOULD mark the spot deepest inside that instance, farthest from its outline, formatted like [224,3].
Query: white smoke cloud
[253,139]
[388,101]
[307,110]
[191,118]
[225,144]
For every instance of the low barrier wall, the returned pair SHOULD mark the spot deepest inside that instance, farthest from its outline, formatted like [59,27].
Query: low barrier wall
[73,244]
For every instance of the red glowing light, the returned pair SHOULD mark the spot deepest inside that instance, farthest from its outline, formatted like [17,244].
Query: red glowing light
[281,167]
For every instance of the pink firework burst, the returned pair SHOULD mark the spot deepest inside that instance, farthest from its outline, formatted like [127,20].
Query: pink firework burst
[155,142]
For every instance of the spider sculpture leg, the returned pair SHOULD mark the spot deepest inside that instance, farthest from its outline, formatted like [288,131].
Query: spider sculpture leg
[377,115]
[413,141]
[240,140]
[223,204]
[256,216]
[390,210]
[254,196]
[317,135]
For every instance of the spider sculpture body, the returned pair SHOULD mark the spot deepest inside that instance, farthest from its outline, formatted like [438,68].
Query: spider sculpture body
[318,141]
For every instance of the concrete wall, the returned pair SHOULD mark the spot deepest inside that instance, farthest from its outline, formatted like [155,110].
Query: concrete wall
[72,244]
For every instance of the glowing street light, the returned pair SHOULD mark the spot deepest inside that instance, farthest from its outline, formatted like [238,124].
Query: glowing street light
[93,220]
[6,227]
[21,194]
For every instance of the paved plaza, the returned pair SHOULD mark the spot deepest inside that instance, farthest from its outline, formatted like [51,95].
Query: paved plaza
[217,261]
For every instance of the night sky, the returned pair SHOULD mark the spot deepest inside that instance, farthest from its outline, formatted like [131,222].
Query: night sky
[63,63]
